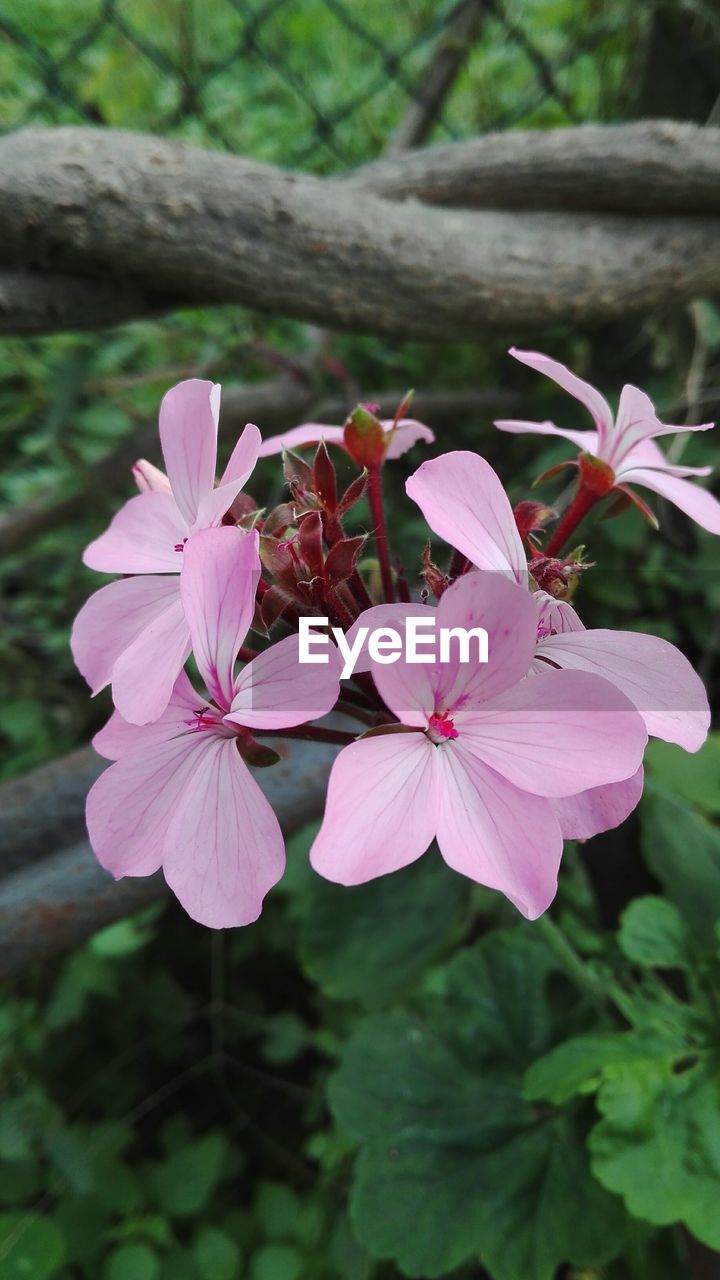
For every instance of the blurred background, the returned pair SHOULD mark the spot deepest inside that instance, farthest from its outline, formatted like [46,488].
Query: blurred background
[164,1113]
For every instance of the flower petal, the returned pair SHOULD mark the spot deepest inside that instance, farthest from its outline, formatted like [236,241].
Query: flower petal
[119,737]
[651,672]
[379,813]
[594,402]
[464,503]
[306,433]
[237,472]
[383,615]
[145,673]
[558,735]
[498,836]
[599,809]
[224,848]
[129,807]
[276,690]
[188,435]
[219,579]
[150,478]
[112,618]
[701,505]
[407,433]
[146,536]
[584,440]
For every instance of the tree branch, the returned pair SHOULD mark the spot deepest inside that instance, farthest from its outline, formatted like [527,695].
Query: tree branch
[183,226]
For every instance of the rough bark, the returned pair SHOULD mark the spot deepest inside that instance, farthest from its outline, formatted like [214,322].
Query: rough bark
[183,226]
[56,901]
[651,168]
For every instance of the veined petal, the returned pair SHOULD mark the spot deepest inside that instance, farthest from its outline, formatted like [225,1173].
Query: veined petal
[244,456]
[594,402]
[119,737]
[223,848]
[145,673]
[219,579]
[496,835]
[701,505]
[464,503]
[648,454]
[599,809]
[149,478]
[306,433]
[558,735]
[276,690]
[555,615]
[380,809]
[188,435]
[584,440]
[131,804]
[113,618]
[146,536]
[651,672]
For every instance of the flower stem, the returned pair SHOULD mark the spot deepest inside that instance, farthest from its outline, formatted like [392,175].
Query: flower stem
[584,500]
[377,511]
[604,992]
[309,733]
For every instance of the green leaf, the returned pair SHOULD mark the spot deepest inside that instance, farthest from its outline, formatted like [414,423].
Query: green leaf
[652,934]
[277,1210]
[31,1247]
[185,1182]
[374,941]
[276,1262]
[132,1262]
[216,1254]
[683,850]
[658,1143]
[694,778]
[580,1064]
[454,1164]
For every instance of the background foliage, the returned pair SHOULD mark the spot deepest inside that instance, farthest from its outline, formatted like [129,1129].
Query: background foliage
[400,1079]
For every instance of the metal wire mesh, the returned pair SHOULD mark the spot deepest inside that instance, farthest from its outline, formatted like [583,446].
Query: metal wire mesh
[314,83]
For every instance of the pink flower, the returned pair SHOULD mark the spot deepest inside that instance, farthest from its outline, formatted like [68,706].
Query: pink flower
[180,796]
[479,753]
[133,633]
[407,433]
[625,443]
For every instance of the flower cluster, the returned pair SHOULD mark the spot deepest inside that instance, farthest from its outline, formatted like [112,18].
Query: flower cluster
[497,760]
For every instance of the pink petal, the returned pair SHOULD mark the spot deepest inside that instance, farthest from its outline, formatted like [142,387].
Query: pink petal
[648,454]
[143,537]
[464,503]
[145,673]
[558,735]
[651,672]
[379,813]
[599,809]
[307,433]
[498,836]
[276,690]
[555,615]
[150,478]
[119,737]
[407,433]
[594,402]
[506,611]
[383,615]
[112,618]
[243,457]
[584,440]
[223,848]
[188,434]
[701,505]
[219,579]
[130,806]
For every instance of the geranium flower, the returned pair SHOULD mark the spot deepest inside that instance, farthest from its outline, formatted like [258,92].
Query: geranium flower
[406,433]
[624,443]
[133,633]
[477,755]
[180,795]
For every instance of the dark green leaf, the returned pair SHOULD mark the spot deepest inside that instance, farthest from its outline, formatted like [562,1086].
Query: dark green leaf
[683,850]
[652,934]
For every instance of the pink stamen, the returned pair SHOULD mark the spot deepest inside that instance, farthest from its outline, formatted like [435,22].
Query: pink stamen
[441,727]
[180,546]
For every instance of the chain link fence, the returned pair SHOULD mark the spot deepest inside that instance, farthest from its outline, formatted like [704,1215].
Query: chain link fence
[317,84]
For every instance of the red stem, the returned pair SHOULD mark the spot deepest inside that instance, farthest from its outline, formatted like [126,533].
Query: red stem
[377,511]
[309,733]
[583,502]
